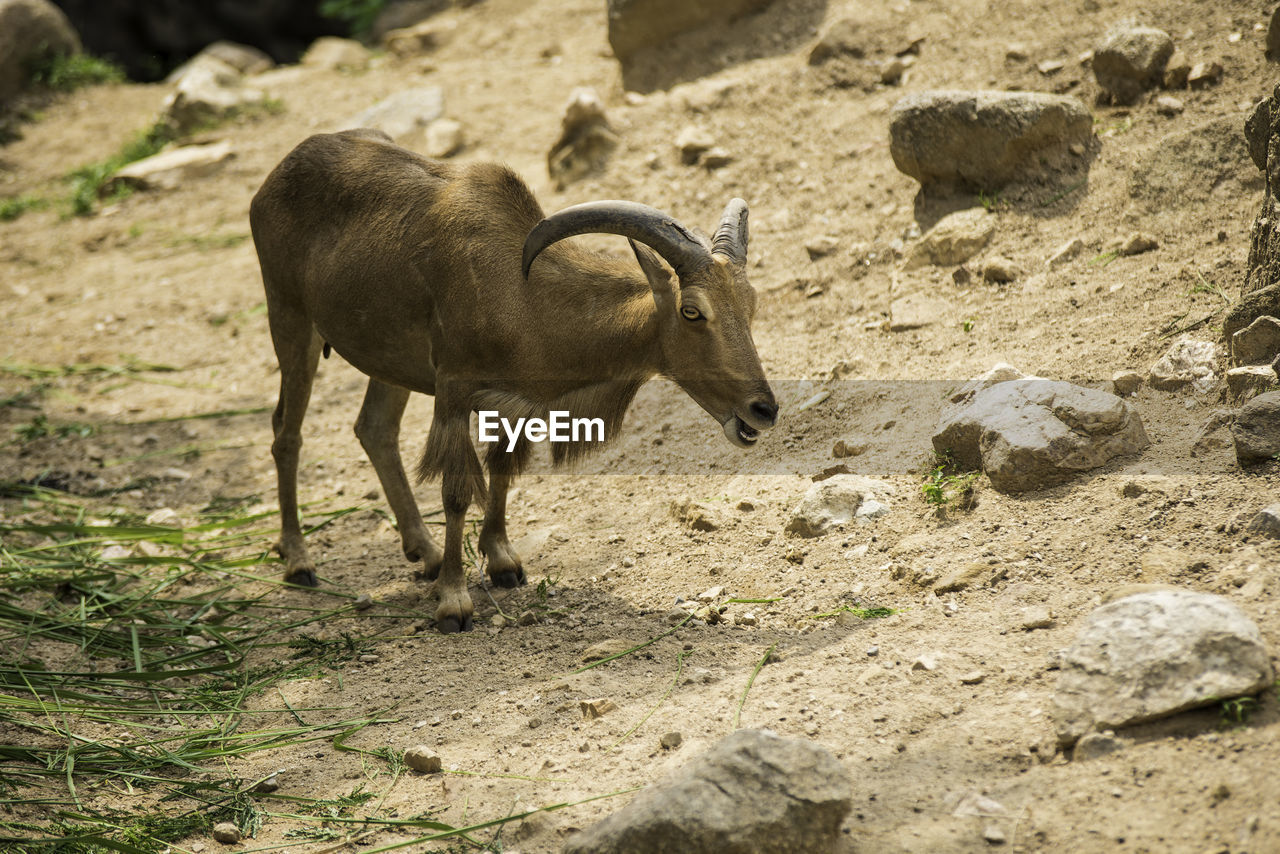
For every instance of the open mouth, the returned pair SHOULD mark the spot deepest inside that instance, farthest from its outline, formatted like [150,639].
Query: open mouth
[740,433]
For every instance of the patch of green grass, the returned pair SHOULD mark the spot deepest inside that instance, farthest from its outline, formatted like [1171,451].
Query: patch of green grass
[944,481]
[68,72]
[1236,711]
[859,612]
[39,427]
[358,15]
[207,242]
[968,323]
[15,206]
[1105,258]
[1204,286]
[88,181]
[157,649]
[990,202]
[1062,194]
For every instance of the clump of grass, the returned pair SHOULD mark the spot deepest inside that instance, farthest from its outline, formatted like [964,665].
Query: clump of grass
[68,72]
[1237,711]
[945,481]
[88,181]
[858,611]
[358,15]
[15,206]
[39,427]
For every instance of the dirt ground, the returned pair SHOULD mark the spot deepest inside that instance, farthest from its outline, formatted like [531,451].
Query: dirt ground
[172,278]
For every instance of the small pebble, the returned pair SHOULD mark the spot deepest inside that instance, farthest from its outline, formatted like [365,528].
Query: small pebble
[597,708]
[226,832]
[671,741]
[423,758]
[363,602]
[873,651]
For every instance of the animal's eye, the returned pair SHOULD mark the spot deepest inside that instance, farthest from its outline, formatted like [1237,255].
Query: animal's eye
[690,312]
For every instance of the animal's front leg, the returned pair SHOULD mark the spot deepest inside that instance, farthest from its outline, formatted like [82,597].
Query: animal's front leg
[378,429]
[453,614]
[504,564]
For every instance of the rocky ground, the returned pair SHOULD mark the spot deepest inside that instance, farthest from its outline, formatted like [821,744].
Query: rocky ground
[942,713]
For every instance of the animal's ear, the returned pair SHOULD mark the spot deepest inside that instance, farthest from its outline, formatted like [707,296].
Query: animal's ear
[658,274]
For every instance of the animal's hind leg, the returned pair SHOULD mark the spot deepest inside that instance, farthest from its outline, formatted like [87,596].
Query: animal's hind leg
[504,566]
[378,429]
[298,350]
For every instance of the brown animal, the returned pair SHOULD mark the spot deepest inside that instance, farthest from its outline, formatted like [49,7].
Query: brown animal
[422,275]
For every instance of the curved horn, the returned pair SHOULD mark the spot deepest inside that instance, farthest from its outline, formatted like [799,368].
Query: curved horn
[731,236]
[650,226]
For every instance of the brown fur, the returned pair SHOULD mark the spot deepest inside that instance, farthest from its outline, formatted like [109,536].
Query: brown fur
[410,269]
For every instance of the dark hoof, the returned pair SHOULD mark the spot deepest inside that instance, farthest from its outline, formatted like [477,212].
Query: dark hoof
[508,578]
[302,578]
[451,626]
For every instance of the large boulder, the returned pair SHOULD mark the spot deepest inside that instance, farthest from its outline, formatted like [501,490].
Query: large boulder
[1154,654]
[1032,433]
[1131,61]
[30,30]
[981,140]
[754,792]
[637,25]
[1256,430]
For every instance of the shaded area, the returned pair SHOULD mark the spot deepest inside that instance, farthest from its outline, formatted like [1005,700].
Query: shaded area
[780,27]
[149,38]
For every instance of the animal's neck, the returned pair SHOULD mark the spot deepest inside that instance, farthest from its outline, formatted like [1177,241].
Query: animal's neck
[611,328]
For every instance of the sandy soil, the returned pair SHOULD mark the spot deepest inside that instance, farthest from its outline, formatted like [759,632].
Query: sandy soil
[172,278]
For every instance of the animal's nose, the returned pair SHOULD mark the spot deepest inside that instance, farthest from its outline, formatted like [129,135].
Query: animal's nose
[766,411]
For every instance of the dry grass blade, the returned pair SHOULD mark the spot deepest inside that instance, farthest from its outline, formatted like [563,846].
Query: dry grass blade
[742,701]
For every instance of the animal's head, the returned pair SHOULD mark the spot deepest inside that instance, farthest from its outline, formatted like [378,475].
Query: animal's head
[705,304]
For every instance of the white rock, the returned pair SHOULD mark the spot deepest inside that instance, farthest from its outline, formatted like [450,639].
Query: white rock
[1154,654]
[336,54]
[171,169]
[837,501]
[166,516]
[1187,362]
[444,138]
[404,116]
[208,93]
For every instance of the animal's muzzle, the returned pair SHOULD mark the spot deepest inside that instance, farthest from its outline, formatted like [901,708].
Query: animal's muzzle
[744,429]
